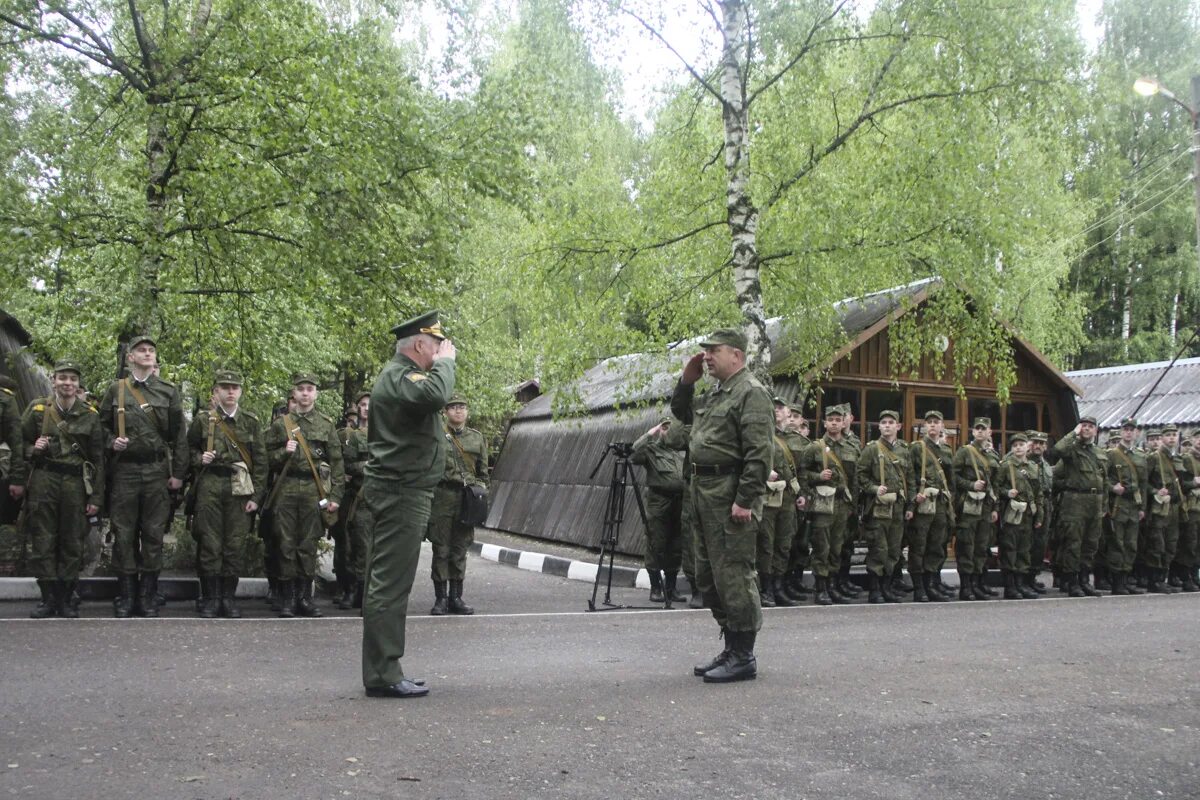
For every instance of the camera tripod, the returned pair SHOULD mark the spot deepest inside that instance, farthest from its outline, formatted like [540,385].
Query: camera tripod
[614,516]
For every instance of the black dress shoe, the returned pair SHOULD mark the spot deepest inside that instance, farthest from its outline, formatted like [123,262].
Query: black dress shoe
[405,688]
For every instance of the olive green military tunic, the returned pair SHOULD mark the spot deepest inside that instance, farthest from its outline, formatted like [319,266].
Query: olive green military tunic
[884,463]
[663,501]
[221,525]
[1163,530]
[449,537]
[797,558]
[929,531]
[140,503]
[973,532]
[1016,530]
[10,454]
[778,526]
[831,514]
[298,520]
[408,457]
[354,517]
[58,491]
[1084,470]
[730,451]
[1187,551]
[1128,468]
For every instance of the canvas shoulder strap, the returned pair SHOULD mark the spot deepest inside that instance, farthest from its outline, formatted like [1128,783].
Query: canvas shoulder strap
[467,461]
[841,467]
[787,454]
[293,429]
[234,440]
[142,404]
[1121,454]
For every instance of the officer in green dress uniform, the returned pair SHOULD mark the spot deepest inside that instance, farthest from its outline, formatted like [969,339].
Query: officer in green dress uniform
[62,465]
[933,466]
[730,452]
[306,454]
[1127,473]
[466,465]
[407,442]
[663,500]
[354,517]
[1020,489]
[11,492]
[975,504]
[884,484]
[1084,479]
[229,469]
[143,419]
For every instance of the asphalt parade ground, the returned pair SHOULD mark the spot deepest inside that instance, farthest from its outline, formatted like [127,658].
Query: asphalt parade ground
[536,697]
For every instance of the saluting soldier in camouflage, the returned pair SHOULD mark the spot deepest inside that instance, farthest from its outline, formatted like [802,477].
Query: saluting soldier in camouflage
[796,437]
[1040,538]
[933,505]
[829,467]
[1127,475]
[1166,496]
[1084,483]
[408,458]
[229,469]
[975,504]
[466,465]
[1187,553]
[307,455]
[10,490]
[884,481]
[62,462]
[778,525]
[730,451]
[354,517]
[1020,489]
[143,420]
[664,510]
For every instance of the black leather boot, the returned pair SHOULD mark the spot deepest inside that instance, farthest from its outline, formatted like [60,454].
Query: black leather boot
[899,584]
[965,591]
[201,591]
[1119,586]
[287,598]
[1010,586]
[66,605]
[1188,579]
[1166,582]
[48,607]
[933,588]
[831,586]
[149,594]
[765,598]
[229,584]
[794,585]
[978,588]
[656,586]
[1071,582]
[846,586]
[821,592]
[456,605]
[982,583]
[741,664]
[359,586]
[305,606]
[920,589]
[1024,584]
[886,583]
[782,599]
[345,598]
[1101,582]
[210,605]
[123,603]
[670,590]
[697,599]
[1031,580]
[1085,584]
[440,606]
[700,669]
[876,594]
[273,594]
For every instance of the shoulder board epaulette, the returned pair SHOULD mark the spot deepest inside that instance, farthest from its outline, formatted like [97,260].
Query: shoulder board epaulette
[39,407]
[417,377]
[249,414]
[166,383]
[90,408]
[6,390]
[755,382]
[325,417]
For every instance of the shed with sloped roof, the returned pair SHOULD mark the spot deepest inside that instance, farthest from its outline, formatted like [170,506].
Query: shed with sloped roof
[1155,393]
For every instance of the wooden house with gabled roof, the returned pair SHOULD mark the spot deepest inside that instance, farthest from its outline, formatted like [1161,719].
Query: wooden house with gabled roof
[542,484]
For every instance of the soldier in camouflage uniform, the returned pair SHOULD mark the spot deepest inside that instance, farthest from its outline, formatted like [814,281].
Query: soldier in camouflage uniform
[933,504]
[663,495]
[853,521]
[730,451]
[354,517]
[1040,539]
[1166,496]
[1020,488]
[10,490]
[1127,475]
[466,464]
[829,468]
[778,525]
[307,455]
[975,504]
[229,468]
[62,463]
[884,481]
[143,419]
[796,437]
[1085,489]
[1187,553]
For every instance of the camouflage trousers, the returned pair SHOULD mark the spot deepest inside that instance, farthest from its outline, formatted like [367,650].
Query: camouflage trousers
[827,534]
[1187,551]
[1014,545]
[1122,537]
[884,535]
[775,534]
[297,525]
[972,540]
[56,525]
[139,509]
[350,535]
[927,535]
[1080,524]
[1162,537]
[725,561]
[220,527]
[664,531]
[449,537]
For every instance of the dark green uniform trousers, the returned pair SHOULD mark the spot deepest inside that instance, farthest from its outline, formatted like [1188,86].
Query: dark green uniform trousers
[725,570]
[221,527]
[664,535]
[1080,519]
[784,521]
[449,538]
[927,541]
[828,531]
[1162,537]
[1186,555]
[401,518]
[298,525]
[56,525]
[972,538]
[1122,536]
[1014,545]
[350,535]
[687,537]
[884,535]
[138,509]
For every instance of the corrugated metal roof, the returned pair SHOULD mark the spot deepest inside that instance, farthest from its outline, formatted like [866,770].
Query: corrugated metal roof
[1111,394]
[629,379]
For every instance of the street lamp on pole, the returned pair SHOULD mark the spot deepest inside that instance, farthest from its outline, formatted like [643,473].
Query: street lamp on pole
[1148,87]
